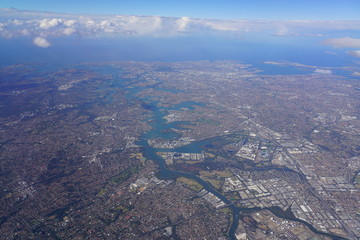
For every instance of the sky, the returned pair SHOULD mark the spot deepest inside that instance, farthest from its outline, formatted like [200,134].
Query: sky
[217,9]
[181,30]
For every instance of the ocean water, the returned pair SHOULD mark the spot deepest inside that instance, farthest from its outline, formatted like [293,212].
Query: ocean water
[254,49]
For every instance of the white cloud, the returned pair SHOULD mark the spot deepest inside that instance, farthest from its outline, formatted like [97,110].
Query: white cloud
[104,23]
[157,23]
[323,71]
[221,26]
[69,31]
[282,32]
[41,42]
[45,24]
[49,23]
[343,42]
[154,25]
[86,21]
[25,32]
[182,23]
[70,23]
[17,22]
[355,53]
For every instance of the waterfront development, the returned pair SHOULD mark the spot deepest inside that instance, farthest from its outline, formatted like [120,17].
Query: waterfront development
[182,150]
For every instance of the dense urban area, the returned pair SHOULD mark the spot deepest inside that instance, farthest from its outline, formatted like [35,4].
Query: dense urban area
[182,150]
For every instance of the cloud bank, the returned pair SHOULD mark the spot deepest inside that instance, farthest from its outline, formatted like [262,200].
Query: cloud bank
[15,23]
